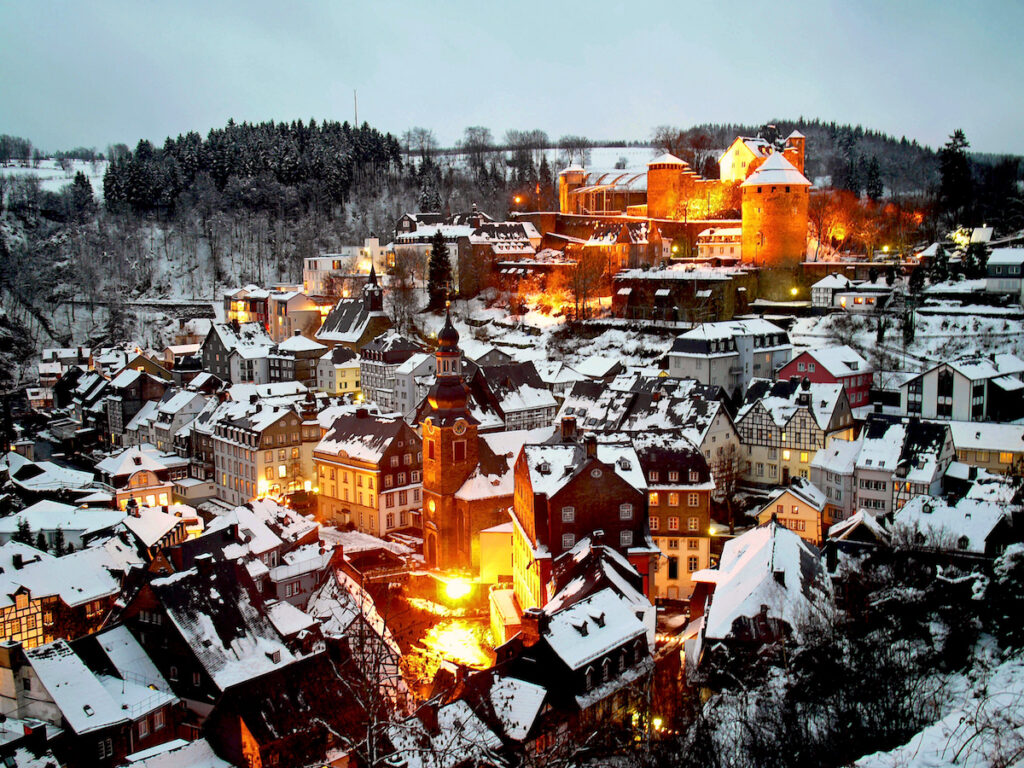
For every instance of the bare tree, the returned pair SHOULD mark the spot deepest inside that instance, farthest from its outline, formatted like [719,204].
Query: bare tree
[575,149]
[401,291]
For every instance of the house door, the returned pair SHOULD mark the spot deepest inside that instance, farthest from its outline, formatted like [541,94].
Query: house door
[785,475]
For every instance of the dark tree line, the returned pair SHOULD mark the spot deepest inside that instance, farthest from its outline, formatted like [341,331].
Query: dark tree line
[281,168]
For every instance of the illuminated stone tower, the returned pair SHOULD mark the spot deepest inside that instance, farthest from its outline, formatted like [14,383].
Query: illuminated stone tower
[569,180]
[775,201]
[373,296]
[450,455]
[665,186]
[796,145]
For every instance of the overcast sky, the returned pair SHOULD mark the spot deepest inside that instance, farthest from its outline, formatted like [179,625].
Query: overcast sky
[95,72]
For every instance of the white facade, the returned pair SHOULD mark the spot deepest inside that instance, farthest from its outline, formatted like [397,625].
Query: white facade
[350,259]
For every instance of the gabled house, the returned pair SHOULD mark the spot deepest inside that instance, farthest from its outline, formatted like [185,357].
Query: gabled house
[833,471]
[969,389]
[679,490]
[337,372]
[800,508]
[115,705]
[379,359]
[354,322]
[126,394]
[730,354]
[238,352]
[369,472]
[768,579]
[834,365]
[296,359]
[968,527]
[783,424]
[566,490]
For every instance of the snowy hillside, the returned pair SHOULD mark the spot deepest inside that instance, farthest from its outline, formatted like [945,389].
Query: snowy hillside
[53,178]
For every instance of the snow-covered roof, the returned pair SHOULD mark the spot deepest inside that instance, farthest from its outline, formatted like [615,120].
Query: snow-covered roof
[666,158]
[131,460]
[129,658]
[361,436]
[299,343]
[177,754]
[990,367]
[839,456]
[840,361]
[964,526]
[802,490]
[776,170]
[493,476]
[596,366]
[1006,257]
[781,399]
[844,529]
[516,703]
[766,566]
[592,627]
[150,524]
[834,281]
[552,466]
[48,515]
[987,436]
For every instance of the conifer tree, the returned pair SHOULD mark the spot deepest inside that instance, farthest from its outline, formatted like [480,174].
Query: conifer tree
[58,542]
[939,269]
[439,272]
[873,180]
[956,191]
[41,544]
[23,534]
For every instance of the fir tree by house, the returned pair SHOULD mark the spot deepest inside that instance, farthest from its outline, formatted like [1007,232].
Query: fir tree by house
[439,272]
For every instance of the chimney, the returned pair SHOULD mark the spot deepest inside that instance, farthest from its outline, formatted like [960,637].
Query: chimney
[296,333]
[253,399]
[590,446]
[362,413]
[568,429]
[780,576]
[877,407]
[534,624]
[204,563]
[17,561]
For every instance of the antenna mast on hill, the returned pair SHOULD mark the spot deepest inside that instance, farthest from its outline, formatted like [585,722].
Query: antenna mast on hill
[355,107]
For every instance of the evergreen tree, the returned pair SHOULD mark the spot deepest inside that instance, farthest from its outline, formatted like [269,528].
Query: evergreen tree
[23,534]
[82,202]
[916,281]
[975,261]
[58,542]
[890,275]
[41,544]
[908,327]
[938,270]
[439,272]
[956,192]
[873,180]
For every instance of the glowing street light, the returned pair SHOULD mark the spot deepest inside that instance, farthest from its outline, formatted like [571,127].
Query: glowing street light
[457,589]
[793,291]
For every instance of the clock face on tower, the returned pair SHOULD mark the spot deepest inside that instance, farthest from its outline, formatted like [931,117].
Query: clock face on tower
[460,427]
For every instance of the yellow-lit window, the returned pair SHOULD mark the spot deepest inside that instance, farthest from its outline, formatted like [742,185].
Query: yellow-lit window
[1005,457]
[654,499]
[785,455]
[803,456]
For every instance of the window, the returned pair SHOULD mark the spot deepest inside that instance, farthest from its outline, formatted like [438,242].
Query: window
[652,475]
[197,679]
[143,727]
[654,523]
[785,455]
[693,543]
[625,538]
[106,748]
[810,367]
[673,567]
[673,523]
[394,461]
[568,540]
[1005,457]
[653,499]
[803,457]
[673,499]
[693,524]
[459,450]
[431,448]
[401,478]
[801,367]
[693,500]
[673,476]
[692,563]
[390,520]
[625,512]
[568,514]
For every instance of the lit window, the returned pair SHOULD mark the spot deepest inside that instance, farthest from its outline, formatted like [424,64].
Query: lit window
[653,499]
[785,455]
[673,523]
[655,523]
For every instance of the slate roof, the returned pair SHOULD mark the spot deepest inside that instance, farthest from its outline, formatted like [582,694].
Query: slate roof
[216,609]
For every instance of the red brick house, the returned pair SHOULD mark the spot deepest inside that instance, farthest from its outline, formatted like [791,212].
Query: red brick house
[566,490]
[833,365]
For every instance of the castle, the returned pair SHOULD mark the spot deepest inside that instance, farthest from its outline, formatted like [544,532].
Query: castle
[764,183]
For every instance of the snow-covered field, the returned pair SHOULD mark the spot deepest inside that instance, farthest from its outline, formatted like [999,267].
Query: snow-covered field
[52,178]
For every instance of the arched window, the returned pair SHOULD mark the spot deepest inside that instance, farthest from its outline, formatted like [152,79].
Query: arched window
[606,669]
[590,678]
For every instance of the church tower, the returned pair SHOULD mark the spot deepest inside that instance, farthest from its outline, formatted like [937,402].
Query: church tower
[450,455]
[373,295]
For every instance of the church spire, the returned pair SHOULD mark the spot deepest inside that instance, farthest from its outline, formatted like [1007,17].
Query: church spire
[373,296]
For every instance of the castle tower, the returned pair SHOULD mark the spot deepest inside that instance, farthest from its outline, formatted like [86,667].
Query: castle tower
[569,181]
[450,454]
[775,199]
[373,295]
[665,186]
[795,148]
